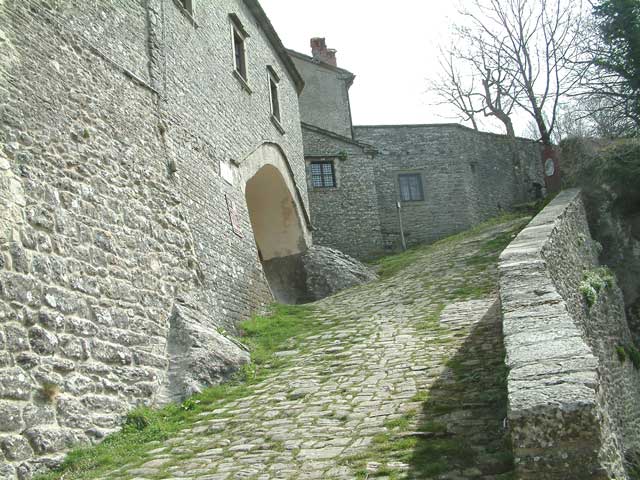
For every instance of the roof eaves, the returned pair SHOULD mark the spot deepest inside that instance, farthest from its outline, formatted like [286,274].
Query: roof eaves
[310,59]
[365,146]
[263,20]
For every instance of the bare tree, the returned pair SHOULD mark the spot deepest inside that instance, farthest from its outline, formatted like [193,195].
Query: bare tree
[481,90]
[523,50]
[455,90]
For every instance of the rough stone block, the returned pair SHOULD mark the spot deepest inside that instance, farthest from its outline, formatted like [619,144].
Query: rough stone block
[38,413]
[15,384]
[65,302]
[17,288]
[72,413]
[10,417]
[16,447]
[110,353]
[42,341]
[45,439]
[73,347]
[198,356]
[17,338]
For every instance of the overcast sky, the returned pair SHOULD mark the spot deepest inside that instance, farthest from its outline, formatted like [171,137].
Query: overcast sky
[391,47]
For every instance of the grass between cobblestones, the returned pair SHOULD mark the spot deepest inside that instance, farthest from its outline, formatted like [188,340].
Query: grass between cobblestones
[145,428]
[441,437]
[388,266]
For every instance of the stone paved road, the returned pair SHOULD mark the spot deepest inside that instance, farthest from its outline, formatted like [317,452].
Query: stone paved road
[407,381]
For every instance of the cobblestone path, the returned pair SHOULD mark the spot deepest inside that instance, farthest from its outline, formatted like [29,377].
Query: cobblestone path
[406,381]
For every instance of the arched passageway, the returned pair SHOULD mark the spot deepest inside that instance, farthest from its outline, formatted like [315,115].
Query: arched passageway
[280,233]
[273,215]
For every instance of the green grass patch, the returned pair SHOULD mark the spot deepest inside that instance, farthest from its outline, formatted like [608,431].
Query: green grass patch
[400,423]
[390,265]
[145,428]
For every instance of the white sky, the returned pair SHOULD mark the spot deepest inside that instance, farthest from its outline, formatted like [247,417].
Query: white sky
[391,47]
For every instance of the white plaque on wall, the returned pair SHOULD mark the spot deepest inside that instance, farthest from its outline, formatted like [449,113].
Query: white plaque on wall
[226,172]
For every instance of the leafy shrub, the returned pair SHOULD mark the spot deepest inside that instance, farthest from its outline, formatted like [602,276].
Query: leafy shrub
[594,282]
[634,355]
[137,420]
[622,354]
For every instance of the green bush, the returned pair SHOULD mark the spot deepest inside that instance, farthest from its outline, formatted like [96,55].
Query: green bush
[622,354]
[594,282]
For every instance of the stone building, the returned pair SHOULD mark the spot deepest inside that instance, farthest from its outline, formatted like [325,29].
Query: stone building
[445,177]
[151,168]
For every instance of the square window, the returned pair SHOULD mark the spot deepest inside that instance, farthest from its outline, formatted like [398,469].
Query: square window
[410,186]
[323,174]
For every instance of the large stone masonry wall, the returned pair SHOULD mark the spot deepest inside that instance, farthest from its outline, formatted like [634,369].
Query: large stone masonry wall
[573,406]
[345,217]
[115,274]
[211,119]
[468,176]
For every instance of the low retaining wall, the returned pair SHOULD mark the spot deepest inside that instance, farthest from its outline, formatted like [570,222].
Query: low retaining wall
[574,407]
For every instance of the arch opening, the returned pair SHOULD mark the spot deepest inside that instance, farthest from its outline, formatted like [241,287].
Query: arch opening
[278,232]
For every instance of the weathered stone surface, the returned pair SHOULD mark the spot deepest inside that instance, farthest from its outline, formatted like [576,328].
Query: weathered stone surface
[48,440]
[42,342]
[15,384]
[328,271]
[198,356]
[15,447]
[99,233]
[570,406]
[10,417]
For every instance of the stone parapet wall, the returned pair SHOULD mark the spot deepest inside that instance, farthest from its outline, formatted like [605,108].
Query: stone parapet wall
[573,405]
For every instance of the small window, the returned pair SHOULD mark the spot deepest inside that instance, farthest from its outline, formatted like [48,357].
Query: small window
[274,97]
[275,100]
[239,35]
[323,174]
[410,187]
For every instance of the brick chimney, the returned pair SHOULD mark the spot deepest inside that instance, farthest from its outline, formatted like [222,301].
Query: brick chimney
[320,52]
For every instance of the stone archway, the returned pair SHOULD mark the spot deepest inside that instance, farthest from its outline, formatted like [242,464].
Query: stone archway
[272,210]
[278,221]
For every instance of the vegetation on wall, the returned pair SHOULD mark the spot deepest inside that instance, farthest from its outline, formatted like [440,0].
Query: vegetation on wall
[594,283]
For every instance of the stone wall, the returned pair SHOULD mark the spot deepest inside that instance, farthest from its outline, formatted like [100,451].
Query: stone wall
[118,260]
[324,102]
[345,217]
[573,405]
[468,176]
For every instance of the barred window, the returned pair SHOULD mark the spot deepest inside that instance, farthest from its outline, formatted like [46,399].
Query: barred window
[410,187]
[323,174]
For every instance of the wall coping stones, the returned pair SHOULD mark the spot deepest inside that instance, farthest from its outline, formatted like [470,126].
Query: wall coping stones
[554,409]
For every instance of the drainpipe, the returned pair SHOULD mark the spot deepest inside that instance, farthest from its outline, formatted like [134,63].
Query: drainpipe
[404,243]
